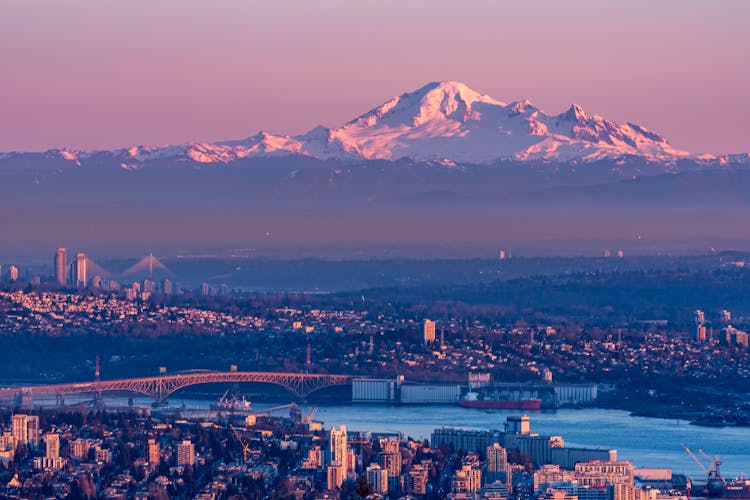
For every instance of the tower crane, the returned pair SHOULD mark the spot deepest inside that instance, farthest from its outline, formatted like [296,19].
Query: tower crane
[245,446]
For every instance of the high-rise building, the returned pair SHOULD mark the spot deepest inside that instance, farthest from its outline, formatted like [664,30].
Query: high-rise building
[700,317]
[186,453]
[79,271]
[429,331]
[392,462]
[166,287]
[52,445]
[335,476]
[549,474]
[351,463]
[701,333]
[390,456]
[6,441]
[603,473]
[25,429]
[154,452]
[7,451]
[700,325]
[12,274]
[19,429]
[314,458]
[51,458]
[497,463]
[622,491]
[416,481]
[61,267]
[338,446]
[378,478]
[518,425]
[103,455]
[468,479]
[725,317]
[32,426]
[80,448]
[463,439]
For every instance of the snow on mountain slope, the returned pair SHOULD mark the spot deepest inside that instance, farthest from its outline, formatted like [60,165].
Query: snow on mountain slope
[442,121]
[449,120]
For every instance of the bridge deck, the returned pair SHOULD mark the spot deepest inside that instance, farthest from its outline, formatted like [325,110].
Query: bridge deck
[159,387]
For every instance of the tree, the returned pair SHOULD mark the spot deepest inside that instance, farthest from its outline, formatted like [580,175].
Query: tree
[363,488]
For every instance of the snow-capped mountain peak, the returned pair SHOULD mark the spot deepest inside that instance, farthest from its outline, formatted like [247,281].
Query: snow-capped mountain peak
[448,120]
[441,121]
[575,113]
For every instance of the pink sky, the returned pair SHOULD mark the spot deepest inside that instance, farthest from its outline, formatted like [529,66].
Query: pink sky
[92,74]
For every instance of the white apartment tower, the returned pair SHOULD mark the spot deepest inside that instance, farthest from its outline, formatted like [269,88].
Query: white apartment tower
[338,447]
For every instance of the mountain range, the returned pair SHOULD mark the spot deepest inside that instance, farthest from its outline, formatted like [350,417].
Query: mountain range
[445,122]
[440,164]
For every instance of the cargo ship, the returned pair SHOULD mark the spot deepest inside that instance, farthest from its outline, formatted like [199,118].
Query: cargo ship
[232,403]
[472,400]
[738,489]
[715,486]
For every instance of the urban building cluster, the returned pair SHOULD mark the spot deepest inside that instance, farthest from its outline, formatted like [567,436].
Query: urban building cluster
[144,456]
[56,312]
[82,273]
[720,330]
[384,345]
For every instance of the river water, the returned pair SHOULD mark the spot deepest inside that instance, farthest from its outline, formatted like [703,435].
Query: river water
[648,442]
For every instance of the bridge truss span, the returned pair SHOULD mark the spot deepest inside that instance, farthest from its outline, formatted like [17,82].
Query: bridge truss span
[160,387]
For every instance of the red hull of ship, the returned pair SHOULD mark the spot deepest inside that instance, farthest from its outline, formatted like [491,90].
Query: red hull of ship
[526,404]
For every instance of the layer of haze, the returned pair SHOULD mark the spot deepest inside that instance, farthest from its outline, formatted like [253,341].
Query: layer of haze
[88,74]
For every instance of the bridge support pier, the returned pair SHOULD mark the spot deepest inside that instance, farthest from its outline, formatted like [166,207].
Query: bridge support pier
[27,399]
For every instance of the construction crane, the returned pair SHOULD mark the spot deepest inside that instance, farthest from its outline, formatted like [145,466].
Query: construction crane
[697,461]
[714,482]
[310,416]
[245,446]
[268,412]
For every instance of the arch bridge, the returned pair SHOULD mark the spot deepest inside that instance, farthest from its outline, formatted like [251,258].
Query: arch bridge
[160,387]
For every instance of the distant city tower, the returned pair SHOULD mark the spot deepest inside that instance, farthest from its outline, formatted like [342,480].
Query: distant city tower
[61,267]
[79,270]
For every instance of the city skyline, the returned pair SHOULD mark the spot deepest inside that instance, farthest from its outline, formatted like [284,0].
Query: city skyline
[375,250]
